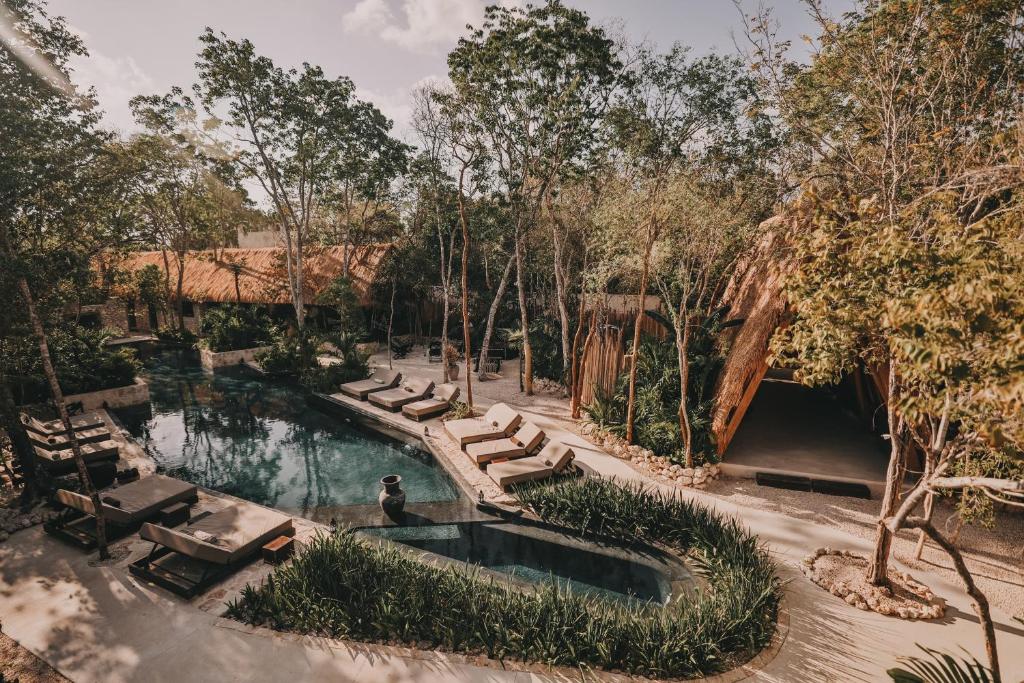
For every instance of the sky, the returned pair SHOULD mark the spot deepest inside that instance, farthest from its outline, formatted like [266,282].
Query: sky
[386,47]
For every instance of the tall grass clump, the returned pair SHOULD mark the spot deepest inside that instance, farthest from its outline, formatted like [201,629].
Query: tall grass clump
[342,586]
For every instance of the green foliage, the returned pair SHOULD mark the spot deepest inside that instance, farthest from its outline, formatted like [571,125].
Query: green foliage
[82,362]
[231,327]
[657,397]
[343,587]
[457,410]
[939,667]
[172,336]
[328,379]
[340,296]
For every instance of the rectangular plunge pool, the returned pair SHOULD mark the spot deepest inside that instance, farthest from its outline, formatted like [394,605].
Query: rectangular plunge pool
[538,555]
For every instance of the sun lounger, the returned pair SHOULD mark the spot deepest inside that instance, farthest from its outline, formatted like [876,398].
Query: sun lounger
[125,508]
[553,459]
[60,442]
[63,461]
[380,380]
[438,404]
[412,389]
[89,420]
[522,443]
[190,559]
[498,422]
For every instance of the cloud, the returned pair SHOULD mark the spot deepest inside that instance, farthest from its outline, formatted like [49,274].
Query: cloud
[116,80]
[417,25]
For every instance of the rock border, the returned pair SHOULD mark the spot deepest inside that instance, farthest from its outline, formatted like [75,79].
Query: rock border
[658,467]
[935,608]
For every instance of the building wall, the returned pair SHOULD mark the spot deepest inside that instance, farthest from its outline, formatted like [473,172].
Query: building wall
[259,239]
[115,314]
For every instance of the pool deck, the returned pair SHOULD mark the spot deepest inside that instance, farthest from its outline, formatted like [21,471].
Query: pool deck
[96,622]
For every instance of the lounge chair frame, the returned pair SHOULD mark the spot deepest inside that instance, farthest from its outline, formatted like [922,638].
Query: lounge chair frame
[181,584]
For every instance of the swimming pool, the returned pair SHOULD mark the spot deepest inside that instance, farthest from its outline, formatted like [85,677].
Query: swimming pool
[536,555]
[259,441]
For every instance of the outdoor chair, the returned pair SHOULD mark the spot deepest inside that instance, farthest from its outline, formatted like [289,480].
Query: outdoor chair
[382,379]
[188,560]
[522,443]
[412,389]
[552,460]
[125,508]
[90,420]
[63,461]
[498,422]
[438,404]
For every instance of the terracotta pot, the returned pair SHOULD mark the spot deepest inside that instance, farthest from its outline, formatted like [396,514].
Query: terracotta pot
[392,498]
[453,372]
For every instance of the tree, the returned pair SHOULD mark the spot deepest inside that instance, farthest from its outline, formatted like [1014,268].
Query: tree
[677,114]
[906,127]
[50,146]
[535,82]
[291,131]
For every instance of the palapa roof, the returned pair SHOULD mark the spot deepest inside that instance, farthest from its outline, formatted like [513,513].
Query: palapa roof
[262,273]
[757,305]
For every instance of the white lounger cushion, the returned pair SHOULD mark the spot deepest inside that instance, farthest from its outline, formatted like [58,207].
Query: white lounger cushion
[523,442]
[498,422]
[554,458]
[237,531]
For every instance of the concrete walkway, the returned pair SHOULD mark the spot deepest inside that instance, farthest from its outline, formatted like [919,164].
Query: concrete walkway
[97,623]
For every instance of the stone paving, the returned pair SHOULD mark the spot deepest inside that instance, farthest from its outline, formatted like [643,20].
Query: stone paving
[95,622]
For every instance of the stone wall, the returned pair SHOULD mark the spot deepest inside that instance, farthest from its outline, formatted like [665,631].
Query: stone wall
[118,397]
[211,360]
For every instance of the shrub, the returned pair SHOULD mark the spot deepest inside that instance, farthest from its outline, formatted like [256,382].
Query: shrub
[175,337]
[457,410]
[656,423]
[230,328]
[341,586]
[81,359]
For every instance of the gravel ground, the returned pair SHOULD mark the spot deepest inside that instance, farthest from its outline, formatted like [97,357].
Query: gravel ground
[994,556]
[18,665]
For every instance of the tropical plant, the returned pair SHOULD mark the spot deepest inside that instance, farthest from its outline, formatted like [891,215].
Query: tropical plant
[342,586]
[939,667]
[231,327]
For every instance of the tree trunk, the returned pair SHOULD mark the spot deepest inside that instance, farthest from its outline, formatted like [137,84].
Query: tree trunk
[58,400]
[574,377]
[524,319]
[981,606]
[561,295]
[391,322]
[878,569]
[180,305]
[929,507]
[167,286]
[492,314]
[683,349]
[446,276]
[466,343]
[578,395]
[641,301]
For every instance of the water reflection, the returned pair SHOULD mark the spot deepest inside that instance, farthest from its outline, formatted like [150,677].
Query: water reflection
[260,441]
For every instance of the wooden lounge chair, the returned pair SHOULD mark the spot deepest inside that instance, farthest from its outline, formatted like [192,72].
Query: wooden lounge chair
[442,399]
[190,559]
[552,460]
[89,420]
[412,389]
[498,422]
[63,461]
[520,444]
[125,508]
[380,380]
[60,442]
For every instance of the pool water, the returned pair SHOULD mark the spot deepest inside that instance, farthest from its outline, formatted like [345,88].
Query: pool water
[539,557]
[259,441]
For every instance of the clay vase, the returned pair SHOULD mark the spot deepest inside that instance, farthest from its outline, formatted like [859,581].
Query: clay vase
[392,498]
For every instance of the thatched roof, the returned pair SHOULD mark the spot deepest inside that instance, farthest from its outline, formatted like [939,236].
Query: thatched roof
[262,273]
[757,304]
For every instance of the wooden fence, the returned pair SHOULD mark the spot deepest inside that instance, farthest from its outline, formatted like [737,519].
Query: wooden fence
[608,357]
